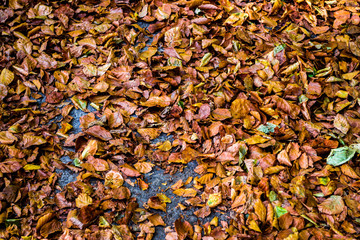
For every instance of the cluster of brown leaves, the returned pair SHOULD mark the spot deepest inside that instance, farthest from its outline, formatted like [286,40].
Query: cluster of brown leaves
[259,93]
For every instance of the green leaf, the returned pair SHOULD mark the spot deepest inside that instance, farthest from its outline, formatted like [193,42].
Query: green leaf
[174,62]
[272,196]
[267,128]
[309,219]
[279,48]
[280,211]
[103,223]
[303,98]
[324,180]
[77,162]
[181,104]
[339,156]
[80,104]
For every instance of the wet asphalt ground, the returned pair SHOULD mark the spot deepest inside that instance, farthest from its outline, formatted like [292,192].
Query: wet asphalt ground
[158,181]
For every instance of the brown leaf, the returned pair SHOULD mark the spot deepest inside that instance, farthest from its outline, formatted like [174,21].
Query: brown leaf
[100,165]
[113,179]
[283,158]
[333,205]
[349,171]
[155,101]
[50,227]
[7,137]
[99,132]
[129,171]
[10,166]
[221,114]
[203,212]
[30,140]
[341,123]
[156,203]
[240,108]
[143,167]
[341,16]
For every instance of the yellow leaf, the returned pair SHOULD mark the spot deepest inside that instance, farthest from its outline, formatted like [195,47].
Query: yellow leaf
[350,76]
[256,139]
[6,76]
[163,198]
[165,146]
[214,200]
[253,225]
[260,210]
[114,179]
[83,200]
[29,167]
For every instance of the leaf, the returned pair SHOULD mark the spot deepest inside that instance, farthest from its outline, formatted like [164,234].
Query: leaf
[46,62]
[155,101]
[240,108]
[99,165]
[90,70]
[283,158]
[6,77]
[291,68]
[156,203]
[163,12]
[90,149]
[156,220]
[279,211]
[150,133]
[99,132]
[29,167]
[103,223]
[341,16]
[267,128]
[339,156]
[350,75]
[333,205]
[7,137]
[143,167]
[113,179]
[173,37]
[31,140]
[165,146]
[205,59]
[256,139]
[151,51]
[260,210]
[83,200]
[10,166]
[221,114]
[88,42]
[79,103]
[129,170]
[214,200]
[163,198]
[341,123]
[236,19]
[254,226]
[50,228]
[349,171]
[44,219]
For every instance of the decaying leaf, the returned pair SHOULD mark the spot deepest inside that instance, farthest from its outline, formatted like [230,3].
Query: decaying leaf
[340,156]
